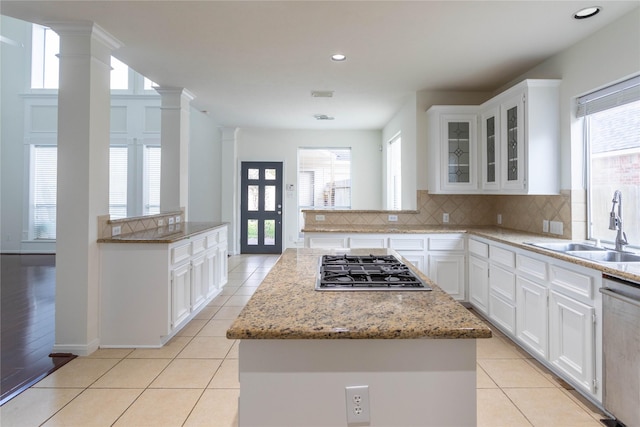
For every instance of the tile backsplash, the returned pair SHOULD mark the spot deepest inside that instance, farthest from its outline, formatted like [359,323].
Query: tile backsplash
[523,213]
[134,224]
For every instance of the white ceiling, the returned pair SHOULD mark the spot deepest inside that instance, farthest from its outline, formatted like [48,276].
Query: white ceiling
[255,63]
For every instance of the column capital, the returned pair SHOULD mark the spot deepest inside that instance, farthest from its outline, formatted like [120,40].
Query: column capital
[85,28]
[175,91]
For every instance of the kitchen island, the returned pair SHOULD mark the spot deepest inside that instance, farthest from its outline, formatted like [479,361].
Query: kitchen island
[301,348]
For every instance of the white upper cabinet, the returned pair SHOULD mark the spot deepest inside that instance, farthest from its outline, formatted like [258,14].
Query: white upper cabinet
[518,150]
[453,153]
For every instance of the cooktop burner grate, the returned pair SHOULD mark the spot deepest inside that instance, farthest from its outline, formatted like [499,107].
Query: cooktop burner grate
[370,272]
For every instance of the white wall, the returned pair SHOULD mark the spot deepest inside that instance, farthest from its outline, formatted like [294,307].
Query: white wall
[404,122]
[282,146]
[204,168]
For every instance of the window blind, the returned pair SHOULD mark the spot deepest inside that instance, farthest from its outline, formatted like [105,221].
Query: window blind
[152,155]
[118,156]
[395,173]
[45,163]
[612,96]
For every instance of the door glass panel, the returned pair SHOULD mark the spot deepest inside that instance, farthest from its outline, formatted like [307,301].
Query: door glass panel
[512,144]
[252,232]
[253,196]
[270,198]
[491,149]
[253,173]
[270,232]
[458,141]
[269,174]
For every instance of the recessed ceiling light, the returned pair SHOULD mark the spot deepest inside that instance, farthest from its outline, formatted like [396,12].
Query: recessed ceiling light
[587,12]
[338,57]
[323,117]
[322,93]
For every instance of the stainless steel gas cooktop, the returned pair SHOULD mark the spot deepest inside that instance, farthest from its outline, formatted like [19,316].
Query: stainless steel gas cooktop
[366,273]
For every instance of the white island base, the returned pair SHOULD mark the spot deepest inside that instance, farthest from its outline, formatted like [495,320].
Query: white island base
[414,382]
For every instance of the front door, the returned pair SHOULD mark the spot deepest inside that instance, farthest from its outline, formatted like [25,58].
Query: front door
[261,208]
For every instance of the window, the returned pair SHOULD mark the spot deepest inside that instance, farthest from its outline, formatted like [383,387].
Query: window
[118,181]
[45,46]
[394,173]
[44,187]
[324,178]
[612,140]
[151,184]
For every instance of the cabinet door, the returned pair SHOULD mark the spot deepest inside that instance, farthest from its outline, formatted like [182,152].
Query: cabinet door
[479,284]
[211,272]
[459,156]
[571,339]
[418,259]
[223,273]
[490,143]
[512,143]
[180,294]
[198,282]
[447,271]
[531,322]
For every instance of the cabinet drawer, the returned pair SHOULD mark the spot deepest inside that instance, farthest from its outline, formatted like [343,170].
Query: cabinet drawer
[572,283]
[478,248]
[198,245]
[180,253]
[531,266]
[327,242]
[367,242]
[502,282]
[410,244]
[212,240]
[502,256]
[446,243]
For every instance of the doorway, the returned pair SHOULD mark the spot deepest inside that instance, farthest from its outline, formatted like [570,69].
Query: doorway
[261,208]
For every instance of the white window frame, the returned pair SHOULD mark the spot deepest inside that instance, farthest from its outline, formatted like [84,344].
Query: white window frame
[394,172]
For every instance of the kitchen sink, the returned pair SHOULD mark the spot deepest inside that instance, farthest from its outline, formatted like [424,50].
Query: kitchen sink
[605,256]
[567,247]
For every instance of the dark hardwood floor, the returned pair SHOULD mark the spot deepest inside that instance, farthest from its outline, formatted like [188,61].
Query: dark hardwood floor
[27,322]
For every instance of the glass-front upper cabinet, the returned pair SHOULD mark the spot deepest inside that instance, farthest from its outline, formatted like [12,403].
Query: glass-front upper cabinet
[490,148]
[512,139]
[454,155]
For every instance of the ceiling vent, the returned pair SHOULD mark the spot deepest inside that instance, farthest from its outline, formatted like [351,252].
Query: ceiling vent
[322,93]
[323,117]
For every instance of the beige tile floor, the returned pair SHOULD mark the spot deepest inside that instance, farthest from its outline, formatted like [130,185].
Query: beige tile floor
[193,380]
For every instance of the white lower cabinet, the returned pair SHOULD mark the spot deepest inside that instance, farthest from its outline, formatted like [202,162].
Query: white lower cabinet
[479,284]
[572,339]
[148,291]
[447,270]
[180,294]
[549,307]
[531,321]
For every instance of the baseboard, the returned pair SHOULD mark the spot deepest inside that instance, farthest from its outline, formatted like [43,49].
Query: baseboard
[77,349]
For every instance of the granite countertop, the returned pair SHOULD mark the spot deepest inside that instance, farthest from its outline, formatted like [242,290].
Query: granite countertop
[627,271]
[287,306]
[168,234]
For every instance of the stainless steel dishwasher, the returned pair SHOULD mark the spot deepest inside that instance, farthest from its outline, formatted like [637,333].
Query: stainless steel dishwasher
[621,348]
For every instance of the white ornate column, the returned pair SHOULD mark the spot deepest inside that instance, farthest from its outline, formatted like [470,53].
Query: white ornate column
[174,142]
[84,105]
[230,211]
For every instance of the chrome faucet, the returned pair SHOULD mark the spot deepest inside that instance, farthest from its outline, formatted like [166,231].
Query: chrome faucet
[615,221]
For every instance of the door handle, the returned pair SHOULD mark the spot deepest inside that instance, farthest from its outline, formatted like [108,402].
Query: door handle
[279,212]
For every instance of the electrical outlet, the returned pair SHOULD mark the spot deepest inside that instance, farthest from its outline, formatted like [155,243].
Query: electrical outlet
[445,218]
[545,225]
[393,218]
[178,219]
[319,217]
[116,230]
[160,222]
[357,405]
[556,227]
[499,219]
[170,220]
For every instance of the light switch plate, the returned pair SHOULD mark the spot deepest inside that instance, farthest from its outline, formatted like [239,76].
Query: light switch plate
[545,225]
[556,227]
